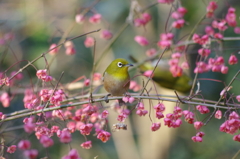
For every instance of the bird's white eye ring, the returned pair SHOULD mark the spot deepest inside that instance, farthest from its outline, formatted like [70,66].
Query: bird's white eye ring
[119,64]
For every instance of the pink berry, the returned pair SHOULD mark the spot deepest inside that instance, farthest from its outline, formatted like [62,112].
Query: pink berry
[155,126]
[232,60]
[141,40]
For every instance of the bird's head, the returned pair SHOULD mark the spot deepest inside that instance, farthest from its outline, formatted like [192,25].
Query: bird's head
[118,67]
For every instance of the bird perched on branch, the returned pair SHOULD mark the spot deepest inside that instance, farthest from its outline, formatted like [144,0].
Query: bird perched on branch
[116,79]
[164,77]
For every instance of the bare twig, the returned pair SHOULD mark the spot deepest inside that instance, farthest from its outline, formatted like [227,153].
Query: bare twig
[15,115]
[221,97]
[43,54]
[93,70]
[104,51]
[54,90]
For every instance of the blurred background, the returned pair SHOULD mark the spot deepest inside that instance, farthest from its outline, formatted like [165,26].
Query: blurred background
[30,27]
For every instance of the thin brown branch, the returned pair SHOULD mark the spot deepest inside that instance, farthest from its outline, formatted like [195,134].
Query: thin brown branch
[14,115]
[43,54]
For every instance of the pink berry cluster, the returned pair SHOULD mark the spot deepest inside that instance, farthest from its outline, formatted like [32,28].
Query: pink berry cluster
[134,86]
[123,114]
[212,6]
[143,20]
[69,48]
[73,154]
[96,18]
[215,65]
[166,40]
[173,119]
[148,73]
[128,99]
[89,42]
[178,16]
[190,118]
[202,109]
[232,125]
[4,79]
[42,74]
[151,52]
[159,109]
[55,97]
[230,18]
[105,34]
[53,50]
[83,120]
[175,68]
[140,109]
[198,137]
[141,40]
[5,99]
[25,145]
[216,31]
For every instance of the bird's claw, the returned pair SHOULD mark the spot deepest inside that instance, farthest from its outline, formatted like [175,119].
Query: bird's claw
[91,98]
[106,98]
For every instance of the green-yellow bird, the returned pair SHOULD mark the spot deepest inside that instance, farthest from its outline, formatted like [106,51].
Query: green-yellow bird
[164,78]
[116,79]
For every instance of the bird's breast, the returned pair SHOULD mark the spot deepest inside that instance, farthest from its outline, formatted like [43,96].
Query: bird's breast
[116,86]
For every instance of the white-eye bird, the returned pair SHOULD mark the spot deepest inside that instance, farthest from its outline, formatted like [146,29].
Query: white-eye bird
[116,79]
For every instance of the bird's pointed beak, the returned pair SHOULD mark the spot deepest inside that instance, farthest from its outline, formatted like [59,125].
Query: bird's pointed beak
[128,65]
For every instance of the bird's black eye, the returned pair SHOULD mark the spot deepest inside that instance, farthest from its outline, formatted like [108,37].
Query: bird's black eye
[119,64]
